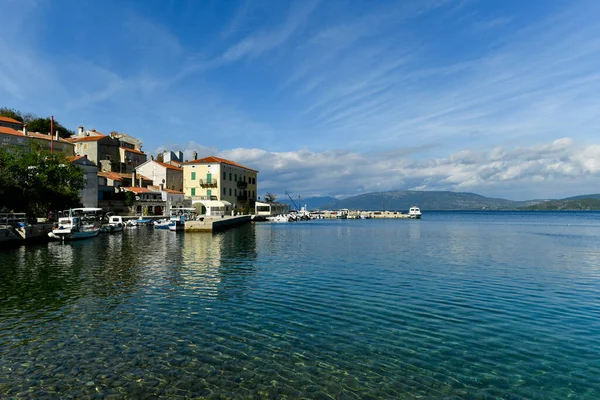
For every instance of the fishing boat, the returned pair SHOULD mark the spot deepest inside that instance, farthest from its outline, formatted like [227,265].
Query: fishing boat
[115,224]
[73,228]
[414,212]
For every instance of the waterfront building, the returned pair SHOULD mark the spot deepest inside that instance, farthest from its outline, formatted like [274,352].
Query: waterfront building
[271,209]
[147,201]
[89,194]
[21,137]
[210,179]
[162,174]
[172,199]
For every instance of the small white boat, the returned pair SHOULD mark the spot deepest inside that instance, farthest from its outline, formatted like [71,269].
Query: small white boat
[177,223]
[72,228]
[279,218]
[115,224]
[414,212]
[162,224]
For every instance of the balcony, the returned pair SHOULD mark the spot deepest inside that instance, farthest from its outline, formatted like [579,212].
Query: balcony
[203,198]
[208,184]
[242,197]
[242,184]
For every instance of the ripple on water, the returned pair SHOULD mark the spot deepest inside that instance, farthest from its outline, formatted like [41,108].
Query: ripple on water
[438,308]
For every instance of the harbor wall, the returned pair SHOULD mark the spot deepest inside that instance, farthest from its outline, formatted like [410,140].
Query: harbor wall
[214,224]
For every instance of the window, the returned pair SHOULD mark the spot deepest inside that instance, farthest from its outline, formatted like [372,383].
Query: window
[235,192]
[193,176]
[224,192]
[85,146]
[235,177]
[193,191]
[230,191]
[224,176]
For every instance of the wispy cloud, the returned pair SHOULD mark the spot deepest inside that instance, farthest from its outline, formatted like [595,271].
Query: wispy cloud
[543,170]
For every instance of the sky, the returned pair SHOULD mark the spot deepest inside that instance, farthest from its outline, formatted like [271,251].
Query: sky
[328,98]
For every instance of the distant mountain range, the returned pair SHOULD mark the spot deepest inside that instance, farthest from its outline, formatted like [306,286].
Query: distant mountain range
[402,200]
[580,203]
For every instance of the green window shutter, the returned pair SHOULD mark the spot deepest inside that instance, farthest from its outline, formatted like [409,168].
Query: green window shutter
[193,191]
[193,176]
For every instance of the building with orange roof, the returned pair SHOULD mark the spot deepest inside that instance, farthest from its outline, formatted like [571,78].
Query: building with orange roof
[162,174]
[215,178]
[7,122]
[10,137]
[116,152]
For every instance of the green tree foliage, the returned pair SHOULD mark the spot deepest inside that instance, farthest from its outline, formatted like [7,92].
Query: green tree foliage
[42,125]
[34,181]
[15,114]
[129,199]
[270,197]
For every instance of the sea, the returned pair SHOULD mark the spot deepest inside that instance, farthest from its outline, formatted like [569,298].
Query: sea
[457,305]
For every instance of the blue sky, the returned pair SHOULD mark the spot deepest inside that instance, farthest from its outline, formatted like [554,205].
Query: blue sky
[328,97]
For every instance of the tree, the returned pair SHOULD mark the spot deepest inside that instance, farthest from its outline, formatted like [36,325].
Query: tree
[15,114]
[270,197]
[42,125]
[34,181]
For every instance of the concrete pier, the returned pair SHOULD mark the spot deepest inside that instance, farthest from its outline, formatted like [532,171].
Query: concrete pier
[214,224]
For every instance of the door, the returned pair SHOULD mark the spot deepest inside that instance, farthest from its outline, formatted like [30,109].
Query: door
[209,193]
[209,178]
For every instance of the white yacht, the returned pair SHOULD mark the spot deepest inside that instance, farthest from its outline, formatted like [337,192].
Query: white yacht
[414,212]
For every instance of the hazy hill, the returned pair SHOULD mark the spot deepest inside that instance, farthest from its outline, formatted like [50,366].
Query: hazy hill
[583,196]
[402,200]
[583,204]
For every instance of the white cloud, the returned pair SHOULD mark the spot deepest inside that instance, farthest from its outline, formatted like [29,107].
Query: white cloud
[556,169]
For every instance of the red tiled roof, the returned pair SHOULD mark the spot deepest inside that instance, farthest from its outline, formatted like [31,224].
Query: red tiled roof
[45,136]
[118,176]
[133,150]
[115,176]
[10,120]
[169,166]
[11,131]
[75,158]
[138,190]
[85,139]
[157,189]
[213,159]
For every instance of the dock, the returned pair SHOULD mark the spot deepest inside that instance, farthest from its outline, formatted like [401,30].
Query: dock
[215,224]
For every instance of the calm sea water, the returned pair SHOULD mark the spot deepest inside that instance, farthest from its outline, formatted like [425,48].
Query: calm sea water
[457,305]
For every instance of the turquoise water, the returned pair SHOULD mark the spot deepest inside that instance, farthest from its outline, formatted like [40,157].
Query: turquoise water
[457,305]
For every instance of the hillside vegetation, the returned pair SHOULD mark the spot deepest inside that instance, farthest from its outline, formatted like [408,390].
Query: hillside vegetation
[584,204]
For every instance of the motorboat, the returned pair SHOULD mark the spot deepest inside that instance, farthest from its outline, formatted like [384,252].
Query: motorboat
[115,224]
[177,223]
[414,212]
[73,228]
[162,223]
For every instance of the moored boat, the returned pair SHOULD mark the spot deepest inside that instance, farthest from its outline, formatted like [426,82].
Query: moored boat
[414,212]
[72,228]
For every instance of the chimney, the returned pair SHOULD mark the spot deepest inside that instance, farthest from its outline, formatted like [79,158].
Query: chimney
[25,130]
[133,178]
[161,187]
[141,181]
[57,136]
[80,130]
[195,155]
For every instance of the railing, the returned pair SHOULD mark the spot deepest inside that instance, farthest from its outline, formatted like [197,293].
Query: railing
[242,184]
[204,197]
[12,218]
[203,183]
